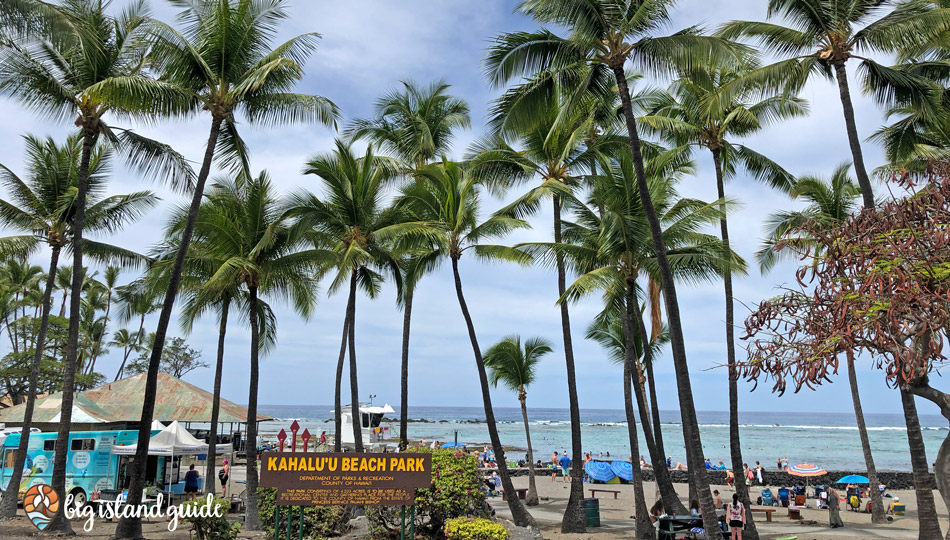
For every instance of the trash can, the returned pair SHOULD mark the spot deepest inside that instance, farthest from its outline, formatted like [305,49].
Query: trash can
[592,511]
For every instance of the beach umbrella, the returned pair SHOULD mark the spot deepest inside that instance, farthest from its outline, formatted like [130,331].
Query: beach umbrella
[853,479]
[806,470]
[453,445]
[599,470]
[623,469]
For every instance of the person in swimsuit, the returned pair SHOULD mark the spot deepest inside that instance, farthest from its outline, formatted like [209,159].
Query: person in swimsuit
[736,513]
[223,476]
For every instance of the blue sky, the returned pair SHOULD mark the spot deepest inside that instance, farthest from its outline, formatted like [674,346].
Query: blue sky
[368,47]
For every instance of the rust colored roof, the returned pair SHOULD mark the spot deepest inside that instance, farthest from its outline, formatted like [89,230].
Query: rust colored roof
[121,401]
[48,408]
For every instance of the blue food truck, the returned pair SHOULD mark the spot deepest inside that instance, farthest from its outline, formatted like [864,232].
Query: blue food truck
[90,464]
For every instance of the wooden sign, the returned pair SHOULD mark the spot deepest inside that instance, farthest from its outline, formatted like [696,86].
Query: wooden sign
[317,479]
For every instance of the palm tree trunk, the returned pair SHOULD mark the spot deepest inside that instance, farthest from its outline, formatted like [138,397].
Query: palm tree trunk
[354,387]
[655,412]
[532,498]
[941,399]
[338,391]
[519,514]
[8,501]
[252,519]
[575,519]
[692,440]
[58,480]
[131,528]
[671,501]
[656,327]
[644,526]
[216,399]
[867,193]
[877,502]
[735,448]
[928,523]
[404,374]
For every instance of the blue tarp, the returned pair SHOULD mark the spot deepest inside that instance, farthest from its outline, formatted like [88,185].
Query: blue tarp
[451,444]
[623,469]
[599,471]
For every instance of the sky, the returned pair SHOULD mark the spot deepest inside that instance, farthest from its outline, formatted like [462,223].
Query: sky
[367,48]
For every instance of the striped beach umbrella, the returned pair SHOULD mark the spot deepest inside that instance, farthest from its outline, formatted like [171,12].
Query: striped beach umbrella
[806,470]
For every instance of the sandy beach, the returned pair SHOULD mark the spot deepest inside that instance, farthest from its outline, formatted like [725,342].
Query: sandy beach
[616,514]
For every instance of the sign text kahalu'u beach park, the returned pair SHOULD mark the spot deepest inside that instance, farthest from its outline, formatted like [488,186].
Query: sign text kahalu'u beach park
[316,479]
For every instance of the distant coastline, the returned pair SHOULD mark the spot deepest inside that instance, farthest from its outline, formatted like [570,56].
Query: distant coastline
[826,439]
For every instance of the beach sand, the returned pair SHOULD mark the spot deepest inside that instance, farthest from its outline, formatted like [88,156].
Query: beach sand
[616,514]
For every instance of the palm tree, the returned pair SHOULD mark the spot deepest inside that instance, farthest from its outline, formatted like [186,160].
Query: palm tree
[135,300]
[446,200]
[200,268]
[921,134]
[356,226]
[605,35]
[515,367]
[831,203]
[43,205]
[556,147]
[74,61]
[110,279]
[691,115]
[608,246]
[415,125]
[263,253]
[21,277]
[223,63]
[821,36]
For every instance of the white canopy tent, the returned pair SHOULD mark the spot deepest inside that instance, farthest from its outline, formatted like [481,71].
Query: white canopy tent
[171,441]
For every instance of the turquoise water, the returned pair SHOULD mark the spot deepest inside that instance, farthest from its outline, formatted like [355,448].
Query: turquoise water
[829,440]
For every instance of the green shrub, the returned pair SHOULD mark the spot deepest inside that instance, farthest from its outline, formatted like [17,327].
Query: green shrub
[318,521]
[212,527]
[474,529]
[455,492]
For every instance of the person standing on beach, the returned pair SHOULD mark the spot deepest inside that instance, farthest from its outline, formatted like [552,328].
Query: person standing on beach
[191,482]
[223,476]
[785,463]
[736,517]
[565,463]
[758,472]
[554,466]
[834,516]
[778,464]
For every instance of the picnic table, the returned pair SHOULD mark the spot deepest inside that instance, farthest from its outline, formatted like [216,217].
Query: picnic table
[671,525]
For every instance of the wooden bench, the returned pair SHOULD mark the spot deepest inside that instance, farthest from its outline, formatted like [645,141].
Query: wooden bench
[522,493]
[767,511]
[614,491]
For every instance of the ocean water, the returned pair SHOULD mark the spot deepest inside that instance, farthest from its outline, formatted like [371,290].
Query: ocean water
[829,440]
